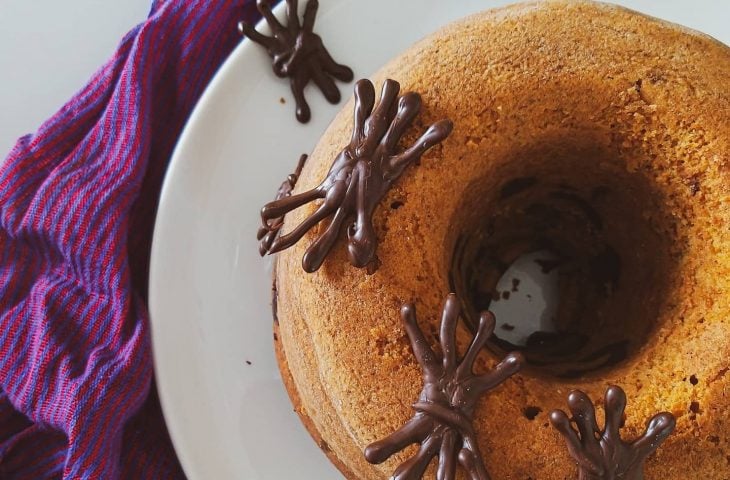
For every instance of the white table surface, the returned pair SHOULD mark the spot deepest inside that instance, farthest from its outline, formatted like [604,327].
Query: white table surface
[48,51]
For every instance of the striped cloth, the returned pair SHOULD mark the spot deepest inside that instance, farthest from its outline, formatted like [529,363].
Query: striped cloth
[77,207]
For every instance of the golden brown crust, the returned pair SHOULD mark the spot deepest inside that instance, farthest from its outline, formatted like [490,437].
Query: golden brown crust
[288,381]
[553,79]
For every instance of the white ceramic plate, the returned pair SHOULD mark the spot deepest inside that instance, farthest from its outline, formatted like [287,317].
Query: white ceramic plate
[209,289]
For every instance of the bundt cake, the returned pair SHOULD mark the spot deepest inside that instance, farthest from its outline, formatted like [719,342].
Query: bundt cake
[582,129]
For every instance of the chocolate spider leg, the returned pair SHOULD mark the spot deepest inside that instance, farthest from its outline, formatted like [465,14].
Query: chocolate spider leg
[364,103]
[320,248]
[298,83]
[447,464]
[445,415]
[295,58]
[435,134]
[560,421]
[262,232]
[272,225]
[332,201]
[265,240]
[421,350]
[279,208]
[485,329]
[511,364]
[408,107]
[324,82]
[472,446]
[361,238]
[264,8]
[466,459]
[254,35]
[292,14]
[415,467]
[300,166]
[447,334]
[310,15]
[614,404]
[269,228]
[414,431]
[293,178]
[473,464]
[584,416]
[379,120]
[658,429]
[341,72]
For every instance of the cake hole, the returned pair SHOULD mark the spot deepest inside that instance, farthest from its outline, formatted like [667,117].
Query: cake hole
[516,186]
[693,380]
[573,259]
[694,407]
[396,204]
[531,412]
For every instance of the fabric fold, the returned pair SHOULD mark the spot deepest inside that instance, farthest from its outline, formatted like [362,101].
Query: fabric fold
[77,206]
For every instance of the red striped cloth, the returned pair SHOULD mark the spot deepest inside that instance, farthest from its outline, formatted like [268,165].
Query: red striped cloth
[77,206]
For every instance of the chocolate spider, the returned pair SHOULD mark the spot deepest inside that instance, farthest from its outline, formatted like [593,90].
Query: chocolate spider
[359,177]
[442,423]
[603,455]
[267,235]
[298,53]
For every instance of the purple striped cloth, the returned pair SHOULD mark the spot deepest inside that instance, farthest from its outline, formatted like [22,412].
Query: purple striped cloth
[77,206]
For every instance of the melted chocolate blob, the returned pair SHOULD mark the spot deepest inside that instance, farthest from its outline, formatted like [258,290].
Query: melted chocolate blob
[442,424]
[603,454]
[299,54]
[359,177]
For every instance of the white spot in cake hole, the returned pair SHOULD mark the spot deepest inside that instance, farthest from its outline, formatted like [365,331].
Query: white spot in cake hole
[533,307]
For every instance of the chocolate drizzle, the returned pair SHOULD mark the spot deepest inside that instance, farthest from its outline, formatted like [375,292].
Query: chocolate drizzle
[603,455]
[442,423]
[359,177]
[267,234]
[299,54]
